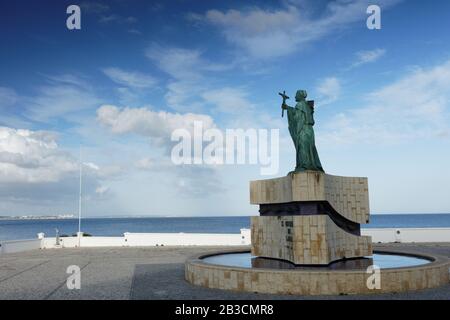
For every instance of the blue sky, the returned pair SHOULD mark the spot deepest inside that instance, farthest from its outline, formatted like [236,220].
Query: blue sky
[137,70]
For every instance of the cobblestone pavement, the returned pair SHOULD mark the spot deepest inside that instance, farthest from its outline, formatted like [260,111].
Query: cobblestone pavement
[142,273]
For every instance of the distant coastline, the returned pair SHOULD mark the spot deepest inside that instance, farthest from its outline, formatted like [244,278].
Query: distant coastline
[72,216]
[52,217]
[25,227]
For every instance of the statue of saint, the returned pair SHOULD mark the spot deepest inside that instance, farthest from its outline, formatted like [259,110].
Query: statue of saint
[301,122]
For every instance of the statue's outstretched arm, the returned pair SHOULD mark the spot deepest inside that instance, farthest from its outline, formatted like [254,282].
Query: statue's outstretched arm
[285,106]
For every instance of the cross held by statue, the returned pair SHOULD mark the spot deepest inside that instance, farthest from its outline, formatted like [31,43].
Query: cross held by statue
[285,97]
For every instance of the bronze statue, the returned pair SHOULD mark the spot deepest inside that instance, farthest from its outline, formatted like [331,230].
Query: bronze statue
[301,122]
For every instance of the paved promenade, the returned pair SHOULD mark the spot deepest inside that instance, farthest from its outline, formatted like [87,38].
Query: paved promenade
[140,273]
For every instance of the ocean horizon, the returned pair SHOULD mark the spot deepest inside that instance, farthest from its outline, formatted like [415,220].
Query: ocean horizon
[15,229]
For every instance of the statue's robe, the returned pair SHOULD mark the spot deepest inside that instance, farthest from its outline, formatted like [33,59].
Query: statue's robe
[301,123]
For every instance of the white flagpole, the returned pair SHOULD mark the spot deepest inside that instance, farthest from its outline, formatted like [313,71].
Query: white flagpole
[79,203]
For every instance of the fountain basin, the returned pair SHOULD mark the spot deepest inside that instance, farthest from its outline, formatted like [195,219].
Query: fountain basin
[237,270]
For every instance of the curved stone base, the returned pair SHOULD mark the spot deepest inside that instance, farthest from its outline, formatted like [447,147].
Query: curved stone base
[312,282]
[310,239]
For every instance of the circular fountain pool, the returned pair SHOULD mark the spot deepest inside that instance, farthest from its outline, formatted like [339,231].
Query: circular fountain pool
[399,271]
[382,260]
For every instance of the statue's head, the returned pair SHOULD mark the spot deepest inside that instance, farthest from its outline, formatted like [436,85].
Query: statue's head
[300,95]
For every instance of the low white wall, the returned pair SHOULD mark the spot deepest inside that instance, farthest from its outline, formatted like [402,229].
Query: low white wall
[187,239]
[153,239]
[406,235]
[72,242]
[383,235]
[102,241]
[19,245]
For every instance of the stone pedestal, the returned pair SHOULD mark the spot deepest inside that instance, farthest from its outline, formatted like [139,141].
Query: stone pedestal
[310,218]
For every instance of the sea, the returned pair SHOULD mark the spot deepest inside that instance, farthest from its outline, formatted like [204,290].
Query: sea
[28,229]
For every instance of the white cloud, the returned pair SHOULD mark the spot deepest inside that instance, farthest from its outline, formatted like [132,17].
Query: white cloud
[177,62]
[135,31]
[368,56]
[35,171]
[268,33]
[329,90]
[61,97]
[67,79]
[188,181]
[117,19]
[238,110]
[145,163]
[197,181]
[416,106]
[94,7]
[109,171]
[181,63]
[187,69]
[183,95]
[156,125]
[228,100]
[102,190]
[261,33]
[32,156]
[131,79]
[185,180]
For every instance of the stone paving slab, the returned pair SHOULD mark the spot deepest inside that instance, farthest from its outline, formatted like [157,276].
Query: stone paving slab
[142,273]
